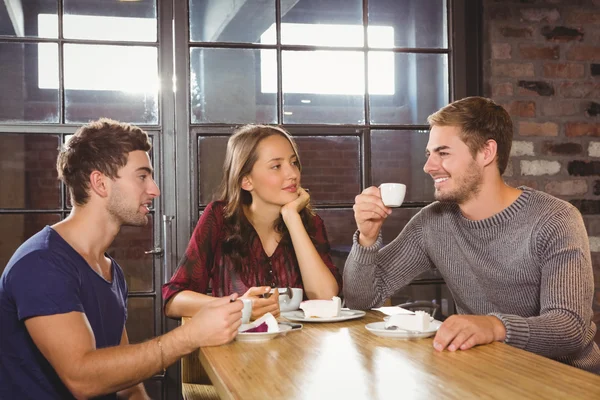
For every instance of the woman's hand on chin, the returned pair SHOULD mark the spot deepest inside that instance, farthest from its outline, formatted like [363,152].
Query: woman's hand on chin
[297,205]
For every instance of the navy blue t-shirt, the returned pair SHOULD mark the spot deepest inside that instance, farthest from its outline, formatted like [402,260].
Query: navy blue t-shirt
[46,276]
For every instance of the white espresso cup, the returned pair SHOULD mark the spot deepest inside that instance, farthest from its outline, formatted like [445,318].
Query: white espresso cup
[392,194]
[246,311]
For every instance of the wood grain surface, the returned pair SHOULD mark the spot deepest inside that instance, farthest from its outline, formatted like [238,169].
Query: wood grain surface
[342,360]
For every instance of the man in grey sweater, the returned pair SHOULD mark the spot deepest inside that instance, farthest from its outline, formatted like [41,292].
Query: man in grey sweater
[516,260]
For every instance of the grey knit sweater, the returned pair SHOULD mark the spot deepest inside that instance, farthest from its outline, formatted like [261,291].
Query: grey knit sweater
[528,265]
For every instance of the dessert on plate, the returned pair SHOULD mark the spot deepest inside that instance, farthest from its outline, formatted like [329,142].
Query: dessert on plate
[417,322]
[322,308]
[266,323]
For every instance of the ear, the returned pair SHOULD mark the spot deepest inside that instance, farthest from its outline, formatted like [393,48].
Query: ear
[489,152]
[247,184]
[99,184]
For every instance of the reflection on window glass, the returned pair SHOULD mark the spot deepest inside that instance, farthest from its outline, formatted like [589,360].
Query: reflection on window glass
[417,23]
[421,87]
[28,171]
[94,27]
[224,87]
[18,17]
[101,67]
[231,21]
[329,72]
[20,96]
[399,156]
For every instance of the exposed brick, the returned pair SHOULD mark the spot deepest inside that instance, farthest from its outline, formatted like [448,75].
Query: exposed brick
[562,34]
[512,70]
[509,169]
[567,188]
[539,53]
[501,13]
[564,70]
[525,109]
[594,244]
[540,14]
[592,225]
[520,148]
[594,149]
[501,51]
[583,16]
[561,149]
[539,87]
[575,129]
[583,168]
[538,128]
[593,109]
[502,89]
[597,188]
[507,31]
[516,182]
[539,167]
[580,90]
[595,69]
[587,207]
[559,108]
[584,53]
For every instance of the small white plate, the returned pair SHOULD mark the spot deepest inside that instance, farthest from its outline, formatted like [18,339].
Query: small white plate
[378,328]
[345,315]
[262,336]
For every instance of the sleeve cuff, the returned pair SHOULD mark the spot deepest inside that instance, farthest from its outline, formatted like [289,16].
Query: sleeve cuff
[362,254]
[517,329]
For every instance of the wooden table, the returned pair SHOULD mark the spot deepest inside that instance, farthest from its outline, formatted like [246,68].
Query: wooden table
[345,361]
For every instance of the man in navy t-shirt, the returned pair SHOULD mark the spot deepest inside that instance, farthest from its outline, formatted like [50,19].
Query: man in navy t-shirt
[63,300]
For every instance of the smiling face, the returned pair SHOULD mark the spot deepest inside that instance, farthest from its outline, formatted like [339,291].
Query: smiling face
[457,176]
[275,176]
[133,190]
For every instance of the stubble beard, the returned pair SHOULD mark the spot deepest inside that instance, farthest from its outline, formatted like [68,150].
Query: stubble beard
[467,187]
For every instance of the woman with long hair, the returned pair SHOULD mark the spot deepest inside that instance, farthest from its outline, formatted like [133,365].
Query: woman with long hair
[260,234]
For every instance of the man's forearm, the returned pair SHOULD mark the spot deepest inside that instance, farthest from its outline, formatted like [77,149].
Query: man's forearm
[117,368]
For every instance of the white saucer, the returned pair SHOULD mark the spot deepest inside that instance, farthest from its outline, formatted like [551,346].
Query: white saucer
[345,315]
[378,328]
[262,336]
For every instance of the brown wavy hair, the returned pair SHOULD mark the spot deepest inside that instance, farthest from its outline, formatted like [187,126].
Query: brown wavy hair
[240,158]
[101,145]
[479,120]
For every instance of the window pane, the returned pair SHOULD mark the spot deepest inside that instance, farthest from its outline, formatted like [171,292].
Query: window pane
[211,153]
[320,86]
[17,228]
[415,23]
[322,23]
[109,20]
[128,250]
[416,86]
[330,167]
[140,319]
[340,225]
[225,86]
[232,21]
[28,170]
[23,98]
[399,156]
[18,18]
[109,81]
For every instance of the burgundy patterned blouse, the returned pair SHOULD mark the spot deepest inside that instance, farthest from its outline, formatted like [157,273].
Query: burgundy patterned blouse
[204,261]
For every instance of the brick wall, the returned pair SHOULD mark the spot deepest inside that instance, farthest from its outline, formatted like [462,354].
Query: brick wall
[542,63]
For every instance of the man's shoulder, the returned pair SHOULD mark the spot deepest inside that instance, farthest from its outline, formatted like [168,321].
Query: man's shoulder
[547,204]
[39,246]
